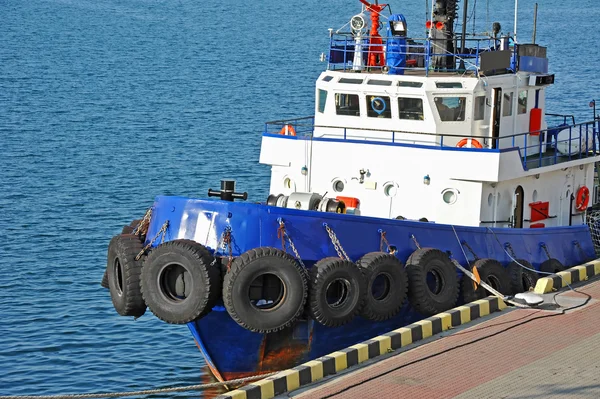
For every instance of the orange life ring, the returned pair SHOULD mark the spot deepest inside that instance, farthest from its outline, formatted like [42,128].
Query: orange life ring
[583,198]
[464,142]
[287,130]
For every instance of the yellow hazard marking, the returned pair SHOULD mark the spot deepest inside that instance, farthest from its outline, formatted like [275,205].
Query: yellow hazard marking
[582,272]
[385,344]
[405,336]
[292,379]
[484,307]
[267,388]
[363,352]
[426,328]
[465,314]
[341,361]
[543,286]
[446,320]
[316,369]
[565,277]
[596,266]
[237,394]
[501,304]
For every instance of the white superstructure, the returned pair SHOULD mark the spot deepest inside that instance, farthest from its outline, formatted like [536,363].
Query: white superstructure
[407,145]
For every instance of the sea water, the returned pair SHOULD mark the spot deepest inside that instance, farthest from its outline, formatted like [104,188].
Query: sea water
[105,104]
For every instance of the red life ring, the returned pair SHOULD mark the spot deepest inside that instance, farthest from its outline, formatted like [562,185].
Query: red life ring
[583,198]
[464,142]
[287,130]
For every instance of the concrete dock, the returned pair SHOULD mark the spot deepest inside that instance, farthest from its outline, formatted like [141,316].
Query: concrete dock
[551,352]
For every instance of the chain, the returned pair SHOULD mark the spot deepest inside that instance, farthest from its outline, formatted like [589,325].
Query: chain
[145,392]
[578,245]
[465,244]
[510,249]
[227,241]
[336,243]
[387,244]
[281,231]
[543,245]
[162,231]
[415,241]
[142,227]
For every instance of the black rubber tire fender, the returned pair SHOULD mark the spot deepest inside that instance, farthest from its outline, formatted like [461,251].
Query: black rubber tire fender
[180,282]
[123,275]
[491,272]
[521,280]
[551,266]
[419,265]
[129,229]
[265,271]
[374,266]
[350,285]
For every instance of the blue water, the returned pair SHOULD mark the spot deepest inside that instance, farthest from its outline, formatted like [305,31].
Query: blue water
[106,103]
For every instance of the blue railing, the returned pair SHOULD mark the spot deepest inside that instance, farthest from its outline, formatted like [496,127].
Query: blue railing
[546,147]
[420,54]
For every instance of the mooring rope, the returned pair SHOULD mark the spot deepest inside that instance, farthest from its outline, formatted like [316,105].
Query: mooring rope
[145,392]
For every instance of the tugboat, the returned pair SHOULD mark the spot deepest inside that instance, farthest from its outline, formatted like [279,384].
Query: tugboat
[421,154]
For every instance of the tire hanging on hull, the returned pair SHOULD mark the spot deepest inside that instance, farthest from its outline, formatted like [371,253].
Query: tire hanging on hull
[387,285]
[336,291]
[180,282]
[123,275]
[128,229]
[521,280]
[433,282]
[265,290]
[551,266]
[491,272]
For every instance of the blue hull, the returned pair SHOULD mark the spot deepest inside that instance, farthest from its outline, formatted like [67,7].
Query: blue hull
[235,352]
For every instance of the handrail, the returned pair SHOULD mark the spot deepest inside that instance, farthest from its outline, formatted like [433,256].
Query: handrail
[422,51]
[549,149]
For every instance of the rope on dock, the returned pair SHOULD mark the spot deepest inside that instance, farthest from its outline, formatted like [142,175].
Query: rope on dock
[145,392]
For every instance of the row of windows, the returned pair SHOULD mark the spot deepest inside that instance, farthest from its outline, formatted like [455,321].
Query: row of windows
[377,106]
[450,109]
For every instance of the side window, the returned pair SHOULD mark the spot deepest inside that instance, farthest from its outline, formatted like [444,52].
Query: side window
[479,113]
[322,100]
[522,102]
[347,104]
[378,106]
[507,104]
[451,109]
[410,108]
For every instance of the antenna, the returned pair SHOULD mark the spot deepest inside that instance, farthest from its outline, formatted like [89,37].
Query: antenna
[516,12]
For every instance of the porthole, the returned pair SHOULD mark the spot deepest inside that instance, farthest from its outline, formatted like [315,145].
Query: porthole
[449,196]
[534,197]
[490,199]
[390,189]
[338,185]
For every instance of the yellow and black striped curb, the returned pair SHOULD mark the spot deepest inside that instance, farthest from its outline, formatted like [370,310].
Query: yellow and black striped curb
[569,276]
[315,370]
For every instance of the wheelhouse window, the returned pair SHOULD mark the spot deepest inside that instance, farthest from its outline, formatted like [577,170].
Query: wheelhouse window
[451,109]
[479,112]
[507,104]
[410,108]
[522,102]
[347,104]
[322,100]
[378,106]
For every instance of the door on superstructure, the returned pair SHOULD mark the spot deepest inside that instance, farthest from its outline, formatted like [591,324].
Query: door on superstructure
[496,114]
[518,211]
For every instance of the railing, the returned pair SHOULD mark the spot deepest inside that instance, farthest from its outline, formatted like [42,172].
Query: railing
[546,147]
[425,54]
